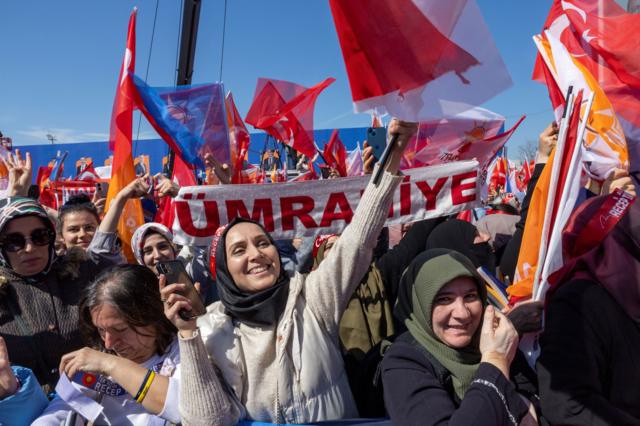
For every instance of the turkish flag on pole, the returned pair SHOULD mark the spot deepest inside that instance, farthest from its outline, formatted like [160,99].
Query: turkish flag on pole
[602,37]
[547,204]
[289,120]
[239,138]
[336,154]
[122,170]
[418,59]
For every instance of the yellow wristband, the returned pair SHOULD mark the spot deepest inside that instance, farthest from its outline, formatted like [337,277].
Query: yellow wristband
[146,387]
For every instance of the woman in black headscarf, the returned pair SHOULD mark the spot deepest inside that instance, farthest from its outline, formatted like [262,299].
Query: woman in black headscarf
[464,238]
[274,339]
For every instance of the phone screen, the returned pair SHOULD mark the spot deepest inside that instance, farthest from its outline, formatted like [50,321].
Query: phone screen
[377,139]
[174,271]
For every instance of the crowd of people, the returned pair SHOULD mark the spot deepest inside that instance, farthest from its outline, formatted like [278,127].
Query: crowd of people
[327,328]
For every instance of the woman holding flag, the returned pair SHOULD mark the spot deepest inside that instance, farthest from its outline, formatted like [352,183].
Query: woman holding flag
[269,349]
[130,369]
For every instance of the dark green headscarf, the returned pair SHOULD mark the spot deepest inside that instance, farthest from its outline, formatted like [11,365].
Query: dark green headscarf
[428,279]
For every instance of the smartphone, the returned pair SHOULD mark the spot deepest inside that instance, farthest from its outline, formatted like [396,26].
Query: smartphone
[102,188]
[175,273]
[377,139]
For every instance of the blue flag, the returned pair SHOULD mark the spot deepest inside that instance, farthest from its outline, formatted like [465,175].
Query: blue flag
[191,119]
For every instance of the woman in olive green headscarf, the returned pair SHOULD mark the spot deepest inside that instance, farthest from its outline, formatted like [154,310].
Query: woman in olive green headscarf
[452,365]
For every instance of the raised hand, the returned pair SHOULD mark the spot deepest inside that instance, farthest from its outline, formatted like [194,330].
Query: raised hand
[165,186]
[137,188]
[368,159]
[619,178]
[222,171]
[404,130]
[20,174]
[8,381]
[174,301]
[546,142]
[498,340]
[99,202]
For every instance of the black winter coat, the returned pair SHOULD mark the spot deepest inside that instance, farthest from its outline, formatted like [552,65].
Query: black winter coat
[589,366]
[415,394]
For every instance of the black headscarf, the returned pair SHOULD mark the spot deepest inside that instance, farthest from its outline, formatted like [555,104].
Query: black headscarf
[458,235]
[263,307]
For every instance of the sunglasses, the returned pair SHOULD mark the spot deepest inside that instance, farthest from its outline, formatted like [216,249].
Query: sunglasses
[16,241]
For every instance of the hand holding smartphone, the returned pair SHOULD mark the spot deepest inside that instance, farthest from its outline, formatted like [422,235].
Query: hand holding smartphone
[377,139]
[174,271]
[102,188]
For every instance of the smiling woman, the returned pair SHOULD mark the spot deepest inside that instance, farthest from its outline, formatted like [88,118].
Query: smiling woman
[451,363]
[39,290]
[78,221]
[269,350]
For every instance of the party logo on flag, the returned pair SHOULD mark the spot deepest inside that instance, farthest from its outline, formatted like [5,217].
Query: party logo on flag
[191,119]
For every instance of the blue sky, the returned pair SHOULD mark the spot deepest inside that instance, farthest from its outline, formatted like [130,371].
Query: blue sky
[59,60]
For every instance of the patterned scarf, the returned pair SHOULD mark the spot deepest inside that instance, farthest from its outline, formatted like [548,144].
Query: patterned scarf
[137,240]
[13,208]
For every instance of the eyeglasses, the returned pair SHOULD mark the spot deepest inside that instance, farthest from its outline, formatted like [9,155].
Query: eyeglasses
[16,241]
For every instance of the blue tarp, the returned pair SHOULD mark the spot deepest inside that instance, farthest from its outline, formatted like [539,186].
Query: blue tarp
[157,148]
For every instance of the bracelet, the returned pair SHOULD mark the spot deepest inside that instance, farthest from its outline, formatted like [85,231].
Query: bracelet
[144,387]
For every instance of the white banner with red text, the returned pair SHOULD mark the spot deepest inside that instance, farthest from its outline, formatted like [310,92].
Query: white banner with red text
[307,208]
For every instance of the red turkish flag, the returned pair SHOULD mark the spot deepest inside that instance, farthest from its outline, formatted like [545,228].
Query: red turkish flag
[239,138]
[289,120]
[335,154]
[417,59]
[602,36]
[122,169]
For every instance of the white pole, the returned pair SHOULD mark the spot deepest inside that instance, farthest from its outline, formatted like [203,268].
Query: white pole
[555,171]
[564,207]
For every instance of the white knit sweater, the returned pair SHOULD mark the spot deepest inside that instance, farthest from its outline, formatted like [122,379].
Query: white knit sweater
[291,372]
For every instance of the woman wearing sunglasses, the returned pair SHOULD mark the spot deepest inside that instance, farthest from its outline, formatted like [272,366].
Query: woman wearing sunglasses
[40,291]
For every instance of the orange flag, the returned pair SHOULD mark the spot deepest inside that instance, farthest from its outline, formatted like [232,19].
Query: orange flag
[122,169]
[544,207]
[529,250]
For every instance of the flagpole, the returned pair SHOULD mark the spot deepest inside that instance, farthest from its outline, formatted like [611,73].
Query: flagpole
[188,38]
[320,154]
[556,232]
[555,171]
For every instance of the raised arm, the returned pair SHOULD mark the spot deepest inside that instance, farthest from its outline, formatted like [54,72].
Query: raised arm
[135,189]
[203,395]
[329,288]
